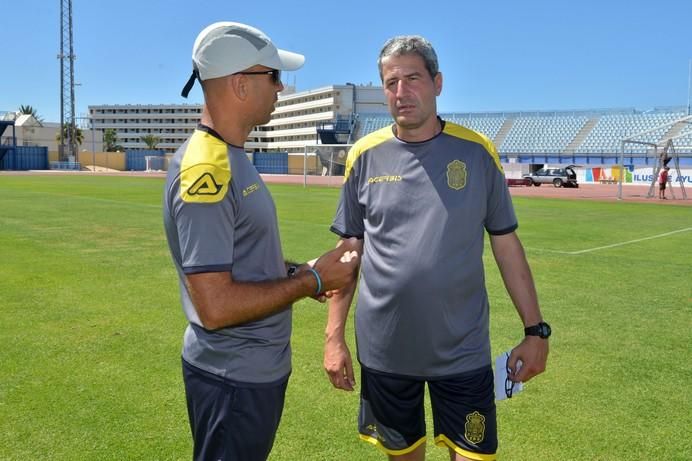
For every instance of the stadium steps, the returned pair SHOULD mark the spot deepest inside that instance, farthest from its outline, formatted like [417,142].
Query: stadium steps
[503,132]
[674,131]
[581,135]
[353,126]
[357,130]
[338,131]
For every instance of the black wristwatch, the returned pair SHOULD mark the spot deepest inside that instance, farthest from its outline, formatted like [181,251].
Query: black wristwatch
[292,269]
[541,329]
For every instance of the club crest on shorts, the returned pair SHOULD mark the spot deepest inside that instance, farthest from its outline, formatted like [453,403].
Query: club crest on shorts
[456,174]
[474,429]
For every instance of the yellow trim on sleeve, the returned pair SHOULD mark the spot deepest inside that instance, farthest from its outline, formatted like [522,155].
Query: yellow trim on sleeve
[378,444]
[205,172]
[442,441]
[363,144]
[461,132]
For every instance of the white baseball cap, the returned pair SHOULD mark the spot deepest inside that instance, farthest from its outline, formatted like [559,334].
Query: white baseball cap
[225,48]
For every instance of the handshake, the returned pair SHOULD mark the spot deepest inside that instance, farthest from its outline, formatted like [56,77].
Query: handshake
[334,269]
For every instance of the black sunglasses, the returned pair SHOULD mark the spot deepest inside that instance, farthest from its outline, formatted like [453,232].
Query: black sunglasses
[275,73]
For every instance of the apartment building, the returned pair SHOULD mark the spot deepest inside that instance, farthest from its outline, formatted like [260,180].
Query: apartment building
[294,124]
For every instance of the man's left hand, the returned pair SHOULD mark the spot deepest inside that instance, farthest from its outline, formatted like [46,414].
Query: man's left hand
[533,353]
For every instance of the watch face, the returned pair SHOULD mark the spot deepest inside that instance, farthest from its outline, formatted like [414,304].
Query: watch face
[541,330]
[545,330]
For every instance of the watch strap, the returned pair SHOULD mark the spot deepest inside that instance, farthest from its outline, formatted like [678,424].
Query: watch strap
[541,329]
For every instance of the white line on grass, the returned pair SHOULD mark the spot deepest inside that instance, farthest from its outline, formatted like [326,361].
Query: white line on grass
[589,250]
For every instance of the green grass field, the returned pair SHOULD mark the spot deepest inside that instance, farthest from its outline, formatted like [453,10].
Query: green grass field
[91,330]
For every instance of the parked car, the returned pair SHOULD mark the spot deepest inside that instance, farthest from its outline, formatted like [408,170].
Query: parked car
[558,177]
[519,182]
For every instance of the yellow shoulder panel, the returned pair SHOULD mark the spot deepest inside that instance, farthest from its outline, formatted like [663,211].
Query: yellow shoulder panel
[204,170]
[461,132]
[363,144]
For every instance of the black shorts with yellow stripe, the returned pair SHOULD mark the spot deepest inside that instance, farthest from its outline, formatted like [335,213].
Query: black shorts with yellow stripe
[392,412]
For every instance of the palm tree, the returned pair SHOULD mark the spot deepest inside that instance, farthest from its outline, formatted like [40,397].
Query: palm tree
[110,139]
[29,110]
[78,135]
[151,141]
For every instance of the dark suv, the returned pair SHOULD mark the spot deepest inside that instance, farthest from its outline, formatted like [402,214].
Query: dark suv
[558,177]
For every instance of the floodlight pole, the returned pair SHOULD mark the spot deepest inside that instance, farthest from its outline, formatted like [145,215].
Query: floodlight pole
[67,103]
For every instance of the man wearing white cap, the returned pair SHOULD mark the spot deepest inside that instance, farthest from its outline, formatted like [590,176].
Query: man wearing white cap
[220,220]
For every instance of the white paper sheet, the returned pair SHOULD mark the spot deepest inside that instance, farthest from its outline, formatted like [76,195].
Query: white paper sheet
[501,376]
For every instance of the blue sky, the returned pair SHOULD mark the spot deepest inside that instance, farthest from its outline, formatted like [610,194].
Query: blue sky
[494,55]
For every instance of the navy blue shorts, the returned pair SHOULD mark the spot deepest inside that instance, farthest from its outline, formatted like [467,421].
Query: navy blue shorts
[392,412]
[231,421]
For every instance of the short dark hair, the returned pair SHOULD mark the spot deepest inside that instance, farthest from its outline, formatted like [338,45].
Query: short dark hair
[410,44]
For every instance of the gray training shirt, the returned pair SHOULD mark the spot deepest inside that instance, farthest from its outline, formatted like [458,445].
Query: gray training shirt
[423,208]
[219,216]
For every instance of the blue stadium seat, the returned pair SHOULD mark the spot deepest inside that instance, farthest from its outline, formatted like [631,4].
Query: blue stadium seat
[611,129]
[561,133]
[542,133]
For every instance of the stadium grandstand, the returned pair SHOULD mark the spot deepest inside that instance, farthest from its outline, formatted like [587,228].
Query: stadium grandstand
[572,132]
[341,114]
[344,113]
[607,144]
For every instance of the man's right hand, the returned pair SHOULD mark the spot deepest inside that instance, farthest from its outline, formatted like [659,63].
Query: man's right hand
[338,364]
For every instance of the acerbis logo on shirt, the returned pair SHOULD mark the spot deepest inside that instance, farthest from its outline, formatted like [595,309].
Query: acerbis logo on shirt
[205,185]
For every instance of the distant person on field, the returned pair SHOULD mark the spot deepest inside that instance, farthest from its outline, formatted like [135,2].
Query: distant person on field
[662,182]
[420,195]
[220,220]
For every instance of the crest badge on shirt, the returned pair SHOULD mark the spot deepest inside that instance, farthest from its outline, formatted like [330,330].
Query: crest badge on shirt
[456,174]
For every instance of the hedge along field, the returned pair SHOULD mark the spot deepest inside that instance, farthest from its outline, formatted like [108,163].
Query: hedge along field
[92,329]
